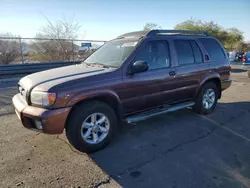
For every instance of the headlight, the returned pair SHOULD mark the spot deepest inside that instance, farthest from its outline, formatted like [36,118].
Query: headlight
[42,98]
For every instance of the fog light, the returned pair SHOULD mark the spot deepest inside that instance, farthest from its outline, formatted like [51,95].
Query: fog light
[38,125]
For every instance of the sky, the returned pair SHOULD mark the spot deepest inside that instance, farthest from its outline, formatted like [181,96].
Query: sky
[107,19]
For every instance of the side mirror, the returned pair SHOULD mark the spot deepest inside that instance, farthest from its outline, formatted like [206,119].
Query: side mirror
[139,66]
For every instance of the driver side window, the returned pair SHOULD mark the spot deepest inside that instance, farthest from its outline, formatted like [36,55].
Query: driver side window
[156,54]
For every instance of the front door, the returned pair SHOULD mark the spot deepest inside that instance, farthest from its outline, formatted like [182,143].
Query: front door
[146,90]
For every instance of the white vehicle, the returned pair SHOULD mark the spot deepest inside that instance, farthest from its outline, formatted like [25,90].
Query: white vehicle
[232,55]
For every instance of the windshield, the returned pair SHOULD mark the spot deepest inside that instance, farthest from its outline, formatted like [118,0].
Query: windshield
[113,53]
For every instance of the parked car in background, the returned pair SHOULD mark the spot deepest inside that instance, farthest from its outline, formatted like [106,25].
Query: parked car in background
[134,77]
[239,56]
[246,58]
[246,62]
[232,56]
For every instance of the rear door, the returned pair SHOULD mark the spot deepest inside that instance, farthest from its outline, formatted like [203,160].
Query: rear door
[191,67]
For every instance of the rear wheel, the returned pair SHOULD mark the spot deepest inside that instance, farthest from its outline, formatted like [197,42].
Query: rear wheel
[91,126]
[207,99]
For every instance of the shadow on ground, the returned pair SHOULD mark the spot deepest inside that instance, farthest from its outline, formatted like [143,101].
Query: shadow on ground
[182,149]
[238,70]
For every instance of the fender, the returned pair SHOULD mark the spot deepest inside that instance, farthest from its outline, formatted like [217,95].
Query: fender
[206,78]
[106,93]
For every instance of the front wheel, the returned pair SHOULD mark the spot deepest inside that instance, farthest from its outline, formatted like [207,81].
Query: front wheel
[207,99]
[91,126]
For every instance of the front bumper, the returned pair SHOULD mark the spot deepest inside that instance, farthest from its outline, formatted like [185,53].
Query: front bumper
[51,121]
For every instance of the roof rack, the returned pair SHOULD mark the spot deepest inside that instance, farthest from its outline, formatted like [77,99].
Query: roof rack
[162,32]
[176,32]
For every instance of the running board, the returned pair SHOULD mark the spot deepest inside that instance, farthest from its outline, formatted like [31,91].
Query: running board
[158,111]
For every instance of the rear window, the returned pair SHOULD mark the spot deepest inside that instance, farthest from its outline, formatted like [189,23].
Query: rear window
[213,48]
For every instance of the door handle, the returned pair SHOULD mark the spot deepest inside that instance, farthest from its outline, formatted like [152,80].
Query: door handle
[172,73]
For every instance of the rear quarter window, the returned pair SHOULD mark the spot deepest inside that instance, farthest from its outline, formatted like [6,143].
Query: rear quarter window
[213,48]
[197,52]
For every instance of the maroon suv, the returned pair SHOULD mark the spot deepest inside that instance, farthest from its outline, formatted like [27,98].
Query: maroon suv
[131,78]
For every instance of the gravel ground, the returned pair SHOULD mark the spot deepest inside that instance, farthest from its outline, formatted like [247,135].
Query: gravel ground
[179,149]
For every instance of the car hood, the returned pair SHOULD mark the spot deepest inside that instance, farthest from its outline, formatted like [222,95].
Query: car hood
[60,75]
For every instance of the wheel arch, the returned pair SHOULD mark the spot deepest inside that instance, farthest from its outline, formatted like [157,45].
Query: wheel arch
[108,97]
[213,78]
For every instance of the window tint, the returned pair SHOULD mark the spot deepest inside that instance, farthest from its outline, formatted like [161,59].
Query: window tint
[156,53]
[184,52]
[197,52]
[213,48]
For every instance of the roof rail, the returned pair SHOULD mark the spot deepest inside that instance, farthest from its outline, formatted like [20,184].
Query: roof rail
[162,32]
[176,32]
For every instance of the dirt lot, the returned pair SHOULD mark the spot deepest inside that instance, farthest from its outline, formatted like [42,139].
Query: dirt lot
[180,149]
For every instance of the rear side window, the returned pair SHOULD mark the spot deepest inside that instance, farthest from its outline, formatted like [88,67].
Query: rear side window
[197,52]
[184,52]
[213,48]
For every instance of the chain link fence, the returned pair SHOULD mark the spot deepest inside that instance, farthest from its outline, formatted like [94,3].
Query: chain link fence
[35,50]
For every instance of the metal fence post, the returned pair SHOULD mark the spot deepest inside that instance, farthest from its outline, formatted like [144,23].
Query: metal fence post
[73,50]
[21,49]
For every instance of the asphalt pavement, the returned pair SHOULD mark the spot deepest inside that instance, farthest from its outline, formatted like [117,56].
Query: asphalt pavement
[175,150]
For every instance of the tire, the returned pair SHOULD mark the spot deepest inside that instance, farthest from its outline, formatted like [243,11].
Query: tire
[75,131]
[199,106]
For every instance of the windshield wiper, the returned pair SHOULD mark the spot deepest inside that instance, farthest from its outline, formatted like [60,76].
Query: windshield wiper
[100,64]
[109,66]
